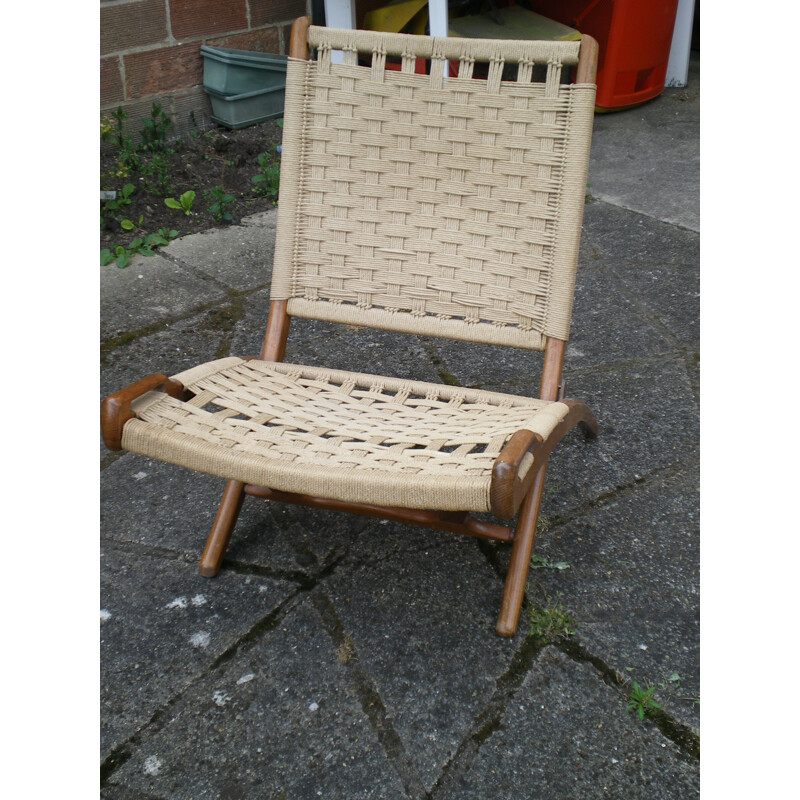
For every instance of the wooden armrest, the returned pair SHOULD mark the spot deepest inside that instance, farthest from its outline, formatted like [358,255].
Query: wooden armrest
[524,455]
[510,469]
[115,410]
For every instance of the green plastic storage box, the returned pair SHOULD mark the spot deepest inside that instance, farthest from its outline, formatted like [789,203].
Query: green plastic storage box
[235,72]
[248,108]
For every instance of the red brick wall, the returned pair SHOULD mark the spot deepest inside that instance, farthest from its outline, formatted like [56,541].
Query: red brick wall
[150,49]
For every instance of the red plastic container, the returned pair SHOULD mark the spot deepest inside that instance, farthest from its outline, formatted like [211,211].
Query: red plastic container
[634,37]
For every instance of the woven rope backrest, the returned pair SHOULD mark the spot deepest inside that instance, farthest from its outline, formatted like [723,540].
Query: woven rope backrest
[448,206]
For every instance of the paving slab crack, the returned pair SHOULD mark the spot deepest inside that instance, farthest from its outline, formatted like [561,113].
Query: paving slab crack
[151,550]
[619,492]
[228,311]
[438,363]
[161,716]
[683,736]
[306,581]
[371,702]
[124,751]
[606,200]
[490,719]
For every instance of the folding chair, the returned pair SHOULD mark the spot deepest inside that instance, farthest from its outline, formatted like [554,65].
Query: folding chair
[422,203]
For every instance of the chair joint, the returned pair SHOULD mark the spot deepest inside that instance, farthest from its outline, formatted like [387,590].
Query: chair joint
[116,410]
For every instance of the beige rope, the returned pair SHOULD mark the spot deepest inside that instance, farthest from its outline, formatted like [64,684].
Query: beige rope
[443,207]
[345,435]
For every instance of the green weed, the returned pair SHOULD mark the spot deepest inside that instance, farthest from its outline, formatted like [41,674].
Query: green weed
[143,245]
[266,182]
[111,206]
[542,562]
[183,203]
[154,130]
[551,623]
[219,200]
[641,702]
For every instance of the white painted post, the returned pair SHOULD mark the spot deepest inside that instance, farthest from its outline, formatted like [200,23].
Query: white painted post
[342,14]
[437,14]
[437,20]
[678,64]
[339,14]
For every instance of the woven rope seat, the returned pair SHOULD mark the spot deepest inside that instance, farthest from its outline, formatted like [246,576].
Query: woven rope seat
[343,435]
[433,187]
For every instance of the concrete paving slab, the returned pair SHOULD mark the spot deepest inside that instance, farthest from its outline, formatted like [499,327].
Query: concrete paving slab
[648,420]
[647,158]
[280,719]
[656,265]
[566,734]
[608,326]
[612,329]
[162,506]
[162,626]
[302,542]
[158,505]
[150,290]
[238,256]
[362,349]
[636,296]
[247,335]
[318,343]
[175,347]
[422,621]
[633,585]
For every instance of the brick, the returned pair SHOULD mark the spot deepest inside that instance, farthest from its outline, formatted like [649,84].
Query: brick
[127,25]
[265,40]
[265,11]
[191,110]
[162,70]
[111,89]
[206,17]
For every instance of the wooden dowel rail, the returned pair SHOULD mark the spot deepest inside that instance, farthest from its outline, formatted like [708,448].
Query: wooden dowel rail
[454,522]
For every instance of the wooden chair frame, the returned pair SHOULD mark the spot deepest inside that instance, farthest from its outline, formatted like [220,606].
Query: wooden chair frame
[509,490]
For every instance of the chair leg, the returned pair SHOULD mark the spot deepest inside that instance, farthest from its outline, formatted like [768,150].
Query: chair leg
[520,557]
[217,542]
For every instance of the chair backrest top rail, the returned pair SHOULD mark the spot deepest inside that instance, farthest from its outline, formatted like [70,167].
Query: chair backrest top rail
[450,48]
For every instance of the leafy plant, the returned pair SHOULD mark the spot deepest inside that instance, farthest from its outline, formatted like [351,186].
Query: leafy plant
[673,679]
[641,702]
[113,129]
[144,245]
[123,198]
[551,623]
[128,225]
[184,202]
[541,562]
[106,127]
[267,180]
[113,204]
[156,176]
[154,130]
[219,201]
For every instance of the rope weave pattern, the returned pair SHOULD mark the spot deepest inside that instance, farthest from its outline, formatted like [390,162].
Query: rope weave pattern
[448,206]
[444,206]
[303,426]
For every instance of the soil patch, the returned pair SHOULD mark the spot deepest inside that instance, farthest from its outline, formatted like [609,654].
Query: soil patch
[200,161]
